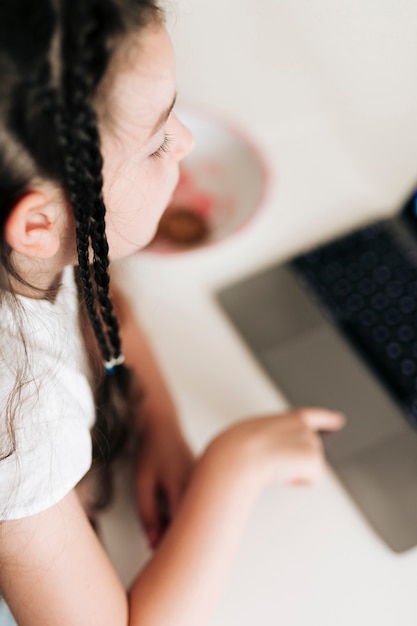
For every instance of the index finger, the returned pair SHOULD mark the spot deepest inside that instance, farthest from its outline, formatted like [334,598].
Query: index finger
[322,419]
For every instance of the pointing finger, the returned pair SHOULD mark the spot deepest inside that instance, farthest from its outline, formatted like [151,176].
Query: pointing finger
[322,419]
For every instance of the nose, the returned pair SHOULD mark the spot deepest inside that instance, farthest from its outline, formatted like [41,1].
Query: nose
[184,142]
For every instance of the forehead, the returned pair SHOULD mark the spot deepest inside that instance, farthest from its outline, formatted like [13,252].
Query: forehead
[140,82]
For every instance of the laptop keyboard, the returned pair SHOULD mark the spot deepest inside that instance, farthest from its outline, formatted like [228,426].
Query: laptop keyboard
[367,284]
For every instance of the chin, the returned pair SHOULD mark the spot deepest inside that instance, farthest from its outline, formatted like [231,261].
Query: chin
[148,239]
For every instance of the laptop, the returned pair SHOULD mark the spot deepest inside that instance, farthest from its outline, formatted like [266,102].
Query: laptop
[336,326]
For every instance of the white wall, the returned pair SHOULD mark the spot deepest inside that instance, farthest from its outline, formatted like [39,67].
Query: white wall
[288,69]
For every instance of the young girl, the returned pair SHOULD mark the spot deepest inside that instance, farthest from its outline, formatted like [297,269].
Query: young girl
[89,154]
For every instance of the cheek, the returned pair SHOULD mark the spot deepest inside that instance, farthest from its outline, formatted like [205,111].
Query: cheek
[135,200]
[147,188]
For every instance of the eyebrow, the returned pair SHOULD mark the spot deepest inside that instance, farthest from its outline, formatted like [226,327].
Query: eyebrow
[163,117]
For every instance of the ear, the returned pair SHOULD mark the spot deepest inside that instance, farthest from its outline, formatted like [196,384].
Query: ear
[32,228]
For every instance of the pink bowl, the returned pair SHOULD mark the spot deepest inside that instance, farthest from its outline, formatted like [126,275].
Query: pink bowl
[223,180]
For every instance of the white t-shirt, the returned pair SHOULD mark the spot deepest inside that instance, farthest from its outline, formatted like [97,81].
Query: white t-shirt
[55,406]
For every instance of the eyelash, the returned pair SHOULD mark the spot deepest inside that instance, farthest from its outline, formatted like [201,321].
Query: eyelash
[163,149]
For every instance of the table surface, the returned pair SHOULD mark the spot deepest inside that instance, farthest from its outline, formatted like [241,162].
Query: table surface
[328,91]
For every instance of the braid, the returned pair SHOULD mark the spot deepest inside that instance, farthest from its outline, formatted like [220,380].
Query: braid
[78,189]
[85,182]
[99,242]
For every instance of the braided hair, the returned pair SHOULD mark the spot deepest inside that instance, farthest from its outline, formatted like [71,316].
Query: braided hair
[53,55]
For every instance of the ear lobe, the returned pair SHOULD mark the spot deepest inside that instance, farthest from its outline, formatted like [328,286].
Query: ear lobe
[31,227]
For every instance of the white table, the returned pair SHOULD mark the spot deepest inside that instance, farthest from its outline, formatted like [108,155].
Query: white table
[328,89]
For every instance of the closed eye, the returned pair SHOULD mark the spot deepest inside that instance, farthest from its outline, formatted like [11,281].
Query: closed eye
[163,149]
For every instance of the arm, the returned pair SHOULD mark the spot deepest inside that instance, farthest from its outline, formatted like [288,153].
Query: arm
[157,403]
[53,569]
[182,583]
[165,460]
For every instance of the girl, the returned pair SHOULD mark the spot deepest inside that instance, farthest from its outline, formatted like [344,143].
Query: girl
[89,155]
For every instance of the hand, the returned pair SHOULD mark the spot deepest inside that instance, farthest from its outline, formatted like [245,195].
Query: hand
[163,468]
[284,449]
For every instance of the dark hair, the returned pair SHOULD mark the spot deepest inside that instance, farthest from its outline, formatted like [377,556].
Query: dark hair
[53,55]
